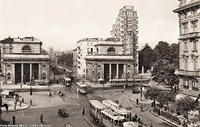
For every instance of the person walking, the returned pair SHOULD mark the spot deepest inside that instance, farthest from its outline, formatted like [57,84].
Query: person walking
[41,118]
[137,101]
[13,120]
[83,111]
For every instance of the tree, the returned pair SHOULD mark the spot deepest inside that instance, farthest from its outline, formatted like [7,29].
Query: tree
[152,93]
[185,104]
[165,97]
[161,51]
[146,58]
[163,72]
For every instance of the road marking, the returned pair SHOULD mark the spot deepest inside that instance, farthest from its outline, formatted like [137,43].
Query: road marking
[22,113]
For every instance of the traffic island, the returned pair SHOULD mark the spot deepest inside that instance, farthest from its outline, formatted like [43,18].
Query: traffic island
[12,108]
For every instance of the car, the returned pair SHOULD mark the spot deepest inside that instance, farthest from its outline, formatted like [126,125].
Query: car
[9,94]
[62,112]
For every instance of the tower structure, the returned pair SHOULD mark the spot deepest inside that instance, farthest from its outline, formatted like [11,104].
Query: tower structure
[126,28]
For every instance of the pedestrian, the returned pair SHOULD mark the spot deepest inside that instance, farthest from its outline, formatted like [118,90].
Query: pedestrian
[13,120]
[6,106]
[20,103]
[41,118]
[151,125]
[141,108]
[83,111]
[22,100]
[31,102]
[137,101]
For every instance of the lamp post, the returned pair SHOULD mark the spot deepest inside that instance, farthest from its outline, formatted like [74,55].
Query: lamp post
[141,88]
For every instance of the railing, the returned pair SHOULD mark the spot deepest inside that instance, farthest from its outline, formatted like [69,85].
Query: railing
[195,88]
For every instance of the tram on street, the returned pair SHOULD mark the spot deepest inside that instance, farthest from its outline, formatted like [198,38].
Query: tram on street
[111,118]
[82,88]
[95,108]
[67,81]
[118,109]
[130,124]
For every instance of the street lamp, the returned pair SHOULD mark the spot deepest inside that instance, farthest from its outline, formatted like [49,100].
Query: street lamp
[141,88]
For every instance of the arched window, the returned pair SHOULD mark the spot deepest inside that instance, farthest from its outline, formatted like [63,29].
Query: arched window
[26,49]
[111,50]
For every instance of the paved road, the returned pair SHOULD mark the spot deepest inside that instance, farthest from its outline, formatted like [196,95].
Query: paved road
[74,103]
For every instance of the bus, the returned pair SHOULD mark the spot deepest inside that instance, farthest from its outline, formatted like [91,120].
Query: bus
[95,108]
[111,119]
[82,88]
[67,81]
[120,110]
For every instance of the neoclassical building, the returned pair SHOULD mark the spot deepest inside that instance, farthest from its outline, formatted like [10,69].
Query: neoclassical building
[109,62]
[22,60]
[189,47]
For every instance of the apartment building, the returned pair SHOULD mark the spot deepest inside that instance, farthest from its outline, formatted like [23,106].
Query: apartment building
[189,38]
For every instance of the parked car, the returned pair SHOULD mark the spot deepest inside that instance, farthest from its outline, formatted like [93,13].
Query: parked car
[9,94]
[62,112]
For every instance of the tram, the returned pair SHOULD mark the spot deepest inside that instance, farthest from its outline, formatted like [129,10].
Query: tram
[120,110]
[95,108]
[82,88]
[67,81]
[111,118]
[130,124]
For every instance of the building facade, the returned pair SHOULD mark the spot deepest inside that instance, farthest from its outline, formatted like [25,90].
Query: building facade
[22,60]
[84,47]
[126,28]
[108,62]
[189,45]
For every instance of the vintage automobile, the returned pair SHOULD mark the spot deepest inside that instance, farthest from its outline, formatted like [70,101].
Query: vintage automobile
[62,112]
[9,94]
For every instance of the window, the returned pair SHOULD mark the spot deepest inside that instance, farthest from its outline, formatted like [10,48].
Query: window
[185,46]
[194,26]
[194,45]
[26,49]
[185,28]
[4,50]
[186,84]
[111,50]
[194,85]
[186,64]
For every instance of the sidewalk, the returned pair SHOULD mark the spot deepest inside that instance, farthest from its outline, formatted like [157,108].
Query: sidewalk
[18,87]
[11,106]
[97,85]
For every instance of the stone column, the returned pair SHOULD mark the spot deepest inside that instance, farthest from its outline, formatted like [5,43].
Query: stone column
[110,69]
[117,67]
[13,76]
[39,70]
[125,71]
[31,71]
[22,72]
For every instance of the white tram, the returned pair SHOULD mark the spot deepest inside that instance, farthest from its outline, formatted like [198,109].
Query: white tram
[95,108]
[130,124]
[111,119]
[120,110]
[82,88]
[67,81]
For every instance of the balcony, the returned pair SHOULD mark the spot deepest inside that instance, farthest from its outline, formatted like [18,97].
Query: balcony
[186,86]
[188,73]
[190,35]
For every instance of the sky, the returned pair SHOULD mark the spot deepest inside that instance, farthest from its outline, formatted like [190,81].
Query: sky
[61,23]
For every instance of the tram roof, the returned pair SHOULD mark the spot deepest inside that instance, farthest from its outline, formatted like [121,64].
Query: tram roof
[116,107]
[130,124]
[113,115]
[67,78]
[81,85]
[97,104]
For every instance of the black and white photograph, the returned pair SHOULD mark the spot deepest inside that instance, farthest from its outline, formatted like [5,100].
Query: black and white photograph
[99,63]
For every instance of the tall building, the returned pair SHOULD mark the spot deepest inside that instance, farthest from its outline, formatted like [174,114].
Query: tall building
[84,47]
[126,28]
[22,60]
[189,45]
